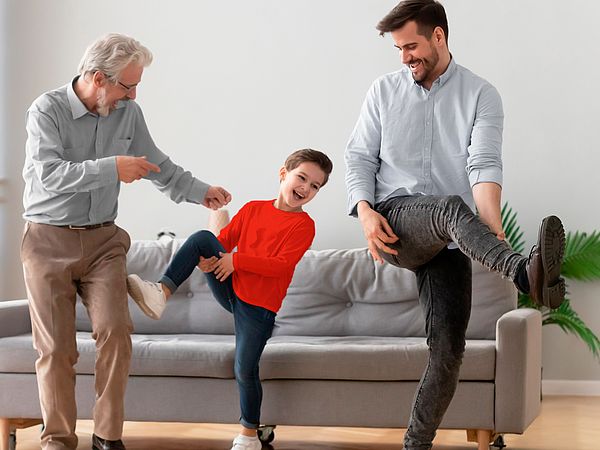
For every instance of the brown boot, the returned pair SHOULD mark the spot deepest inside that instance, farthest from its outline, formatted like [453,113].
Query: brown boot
[546,287]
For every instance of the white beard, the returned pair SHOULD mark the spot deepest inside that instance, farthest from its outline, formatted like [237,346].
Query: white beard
[102,108]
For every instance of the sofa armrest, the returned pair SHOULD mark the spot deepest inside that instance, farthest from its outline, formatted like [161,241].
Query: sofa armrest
[518,370]
[14,318]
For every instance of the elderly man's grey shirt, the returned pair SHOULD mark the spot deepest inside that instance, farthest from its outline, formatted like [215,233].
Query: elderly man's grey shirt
[410,141]
[70,164]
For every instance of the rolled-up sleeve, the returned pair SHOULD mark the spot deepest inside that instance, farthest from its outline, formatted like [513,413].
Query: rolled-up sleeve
[484,163]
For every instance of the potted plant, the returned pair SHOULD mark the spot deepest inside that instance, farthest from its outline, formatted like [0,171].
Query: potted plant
[581,262]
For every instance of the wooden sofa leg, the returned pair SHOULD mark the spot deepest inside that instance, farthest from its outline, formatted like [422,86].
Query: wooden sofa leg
[4,433]
[482,437]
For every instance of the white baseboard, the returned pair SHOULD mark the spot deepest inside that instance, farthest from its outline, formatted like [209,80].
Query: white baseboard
[571,387]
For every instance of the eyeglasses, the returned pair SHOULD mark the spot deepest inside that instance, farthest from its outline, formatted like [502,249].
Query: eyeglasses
[127,88]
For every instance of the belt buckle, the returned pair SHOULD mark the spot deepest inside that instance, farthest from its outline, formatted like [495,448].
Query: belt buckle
[75,227]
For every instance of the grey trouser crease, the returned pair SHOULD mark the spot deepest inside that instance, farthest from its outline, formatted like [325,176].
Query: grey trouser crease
[425,225]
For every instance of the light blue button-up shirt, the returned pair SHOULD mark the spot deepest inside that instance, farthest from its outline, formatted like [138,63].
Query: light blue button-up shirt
[70,168]
[411,141]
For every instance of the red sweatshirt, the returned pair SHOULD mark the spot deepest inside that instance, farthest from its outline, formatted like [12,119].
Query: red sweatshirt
[270,242]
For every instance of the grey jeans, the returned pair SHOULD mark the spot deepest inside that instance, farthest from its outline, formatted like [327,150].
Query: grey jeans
[425,225]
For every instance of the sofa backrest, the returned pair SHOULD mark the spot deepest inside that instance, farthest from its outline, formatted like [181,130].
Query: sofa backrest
[345,292]
[333,293]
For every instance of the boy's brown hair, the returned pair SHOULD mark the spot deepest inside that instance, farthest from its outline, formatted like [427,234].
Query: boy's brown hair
[313,156]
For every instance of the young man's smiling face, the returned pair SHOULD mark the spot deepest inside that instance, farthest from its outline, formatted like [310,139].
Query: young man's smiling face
[299,186]
[421,55]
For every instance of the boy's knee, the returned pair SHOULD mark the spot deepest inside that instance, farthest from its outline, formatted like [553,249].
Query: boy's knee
[201,236]
[245,376]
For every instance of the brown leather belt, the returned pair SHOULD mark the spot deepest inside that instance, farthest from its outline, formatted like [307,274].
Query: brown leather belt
[88,227]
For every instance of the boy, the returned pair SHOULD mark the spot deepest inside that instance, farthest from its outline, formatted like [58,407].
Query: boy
[271,237]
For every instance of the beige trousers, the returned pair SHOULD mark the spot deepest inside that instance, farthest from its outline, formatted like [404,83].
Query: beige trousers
[58,263]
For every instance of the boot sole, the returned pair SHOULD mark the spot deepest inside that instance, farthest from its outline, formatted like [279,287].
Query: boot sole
[552,245]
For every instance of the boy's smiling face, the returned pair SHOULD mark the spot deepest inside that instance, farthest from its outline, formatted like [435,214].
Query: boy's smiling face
[299,186]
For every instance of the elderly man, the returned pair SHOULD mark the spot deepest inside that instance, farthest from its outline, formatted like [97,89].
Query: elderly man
[84,139]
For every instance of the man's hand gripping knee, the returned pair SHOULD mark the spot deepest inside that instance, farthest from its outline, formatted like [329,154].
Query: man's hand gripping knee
[377,230]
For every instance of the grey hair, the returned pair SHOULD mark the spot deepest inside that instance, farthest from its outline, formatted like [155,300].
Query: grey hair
[111,53]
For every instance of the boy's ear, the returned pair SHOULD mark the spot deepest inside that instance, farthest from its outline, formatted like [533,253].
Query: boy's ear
[282,173]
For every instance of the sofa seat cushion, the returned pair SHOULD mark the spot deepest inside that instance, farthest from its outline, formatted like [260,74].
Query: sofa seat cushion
[365,358]
[188,355]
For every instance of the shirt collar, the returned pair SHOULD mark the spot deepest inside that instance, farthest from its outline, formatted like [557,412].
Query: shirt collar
[78,109]
[443,77]
[448,73]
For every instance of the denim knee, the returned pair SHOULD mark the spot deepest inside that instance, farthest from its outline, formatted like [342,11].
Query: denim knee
[245,376]
[201,236]
[453,201]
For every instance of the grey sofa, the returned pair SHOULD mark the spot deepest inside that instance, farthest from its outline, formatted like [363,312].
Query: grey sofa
[347,350]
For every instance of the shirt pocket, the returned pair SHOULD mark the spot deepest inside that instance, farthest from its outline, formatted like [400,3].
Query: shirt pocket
[120,146]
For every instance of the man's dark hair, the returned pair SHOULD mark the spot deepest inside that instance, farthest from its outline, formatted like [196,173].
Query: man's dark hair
[428,14]
[313,156]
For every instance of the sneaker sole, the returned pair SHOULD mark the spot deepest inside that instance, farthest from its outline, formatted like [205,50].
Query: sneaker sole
[136,294]
[552,245]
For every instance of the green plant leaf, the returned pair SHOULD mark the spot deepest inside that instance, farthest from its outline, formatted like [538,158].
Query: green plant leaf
[512,230]
[570,322]
[582,256]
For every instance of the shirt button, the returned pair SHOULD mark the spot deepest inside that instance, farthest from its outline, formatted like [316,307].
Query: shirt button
[348,305]
[190,294]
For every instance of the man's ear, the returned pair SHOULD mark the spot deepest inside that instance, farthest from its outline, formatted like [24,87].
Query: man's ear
[98,79]
[282,173]
[439,35]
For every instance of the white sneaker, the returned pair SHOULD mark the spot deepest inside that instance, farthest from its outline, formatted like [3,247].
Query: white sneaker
[149,296]
[242,442]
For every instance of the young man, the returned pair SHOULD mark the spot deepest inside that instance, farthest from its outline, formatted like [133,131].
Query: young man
[425,152]
[84,140]
[271,236]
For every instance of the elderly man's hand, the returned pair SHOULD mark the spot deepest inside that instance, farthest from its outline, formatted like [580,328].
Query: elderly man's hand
[133,168]
[216,197]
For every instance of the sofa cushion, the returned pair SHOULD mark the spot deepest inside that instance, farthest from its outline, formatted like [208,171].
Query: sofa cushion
[160,355]
[293,357]
[365,358]
[345,293]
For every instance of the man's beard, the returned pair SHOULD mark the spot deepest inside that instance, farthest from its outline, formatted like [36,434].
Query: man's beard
[102,107]
[428,65]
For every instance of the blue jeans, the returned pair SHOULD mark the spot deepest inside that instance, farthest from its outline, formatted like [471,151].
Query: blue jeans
[425,225]
[253,324]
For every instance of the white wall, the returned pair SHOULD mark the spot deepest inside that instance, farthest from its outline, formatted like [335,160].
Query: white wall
[236,86]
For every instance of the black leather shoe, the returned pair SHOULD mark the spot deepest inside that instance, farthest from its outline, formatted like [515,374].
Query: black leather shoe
[546,287]
[103,444]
